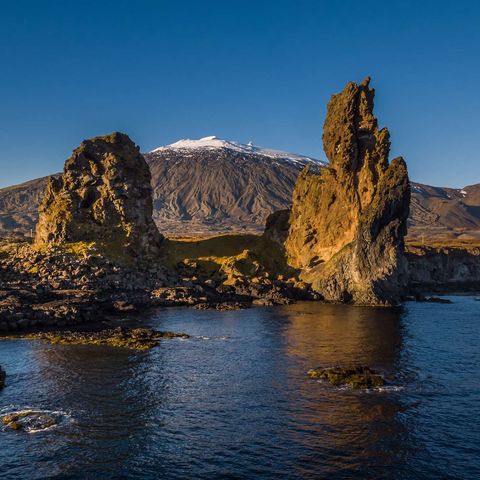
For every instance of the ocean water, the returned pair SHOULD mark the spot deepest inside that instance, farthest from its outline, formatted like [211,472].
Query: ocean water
[234,401]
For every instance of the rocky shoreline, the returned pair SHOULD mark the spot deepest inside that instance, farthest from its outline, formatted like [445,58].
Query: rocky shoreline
[139,338]
[67,286]
[71,286]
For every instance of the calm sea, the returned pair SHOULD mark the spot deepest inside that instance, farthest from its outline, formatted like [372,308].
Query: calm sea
[234,401]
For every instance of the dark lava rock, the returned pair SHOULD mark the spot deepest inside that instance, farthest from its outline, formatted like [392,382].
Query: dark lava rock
[223,306]
[104,195]
[123,306]
[437,300]
[357,376]
[134,338]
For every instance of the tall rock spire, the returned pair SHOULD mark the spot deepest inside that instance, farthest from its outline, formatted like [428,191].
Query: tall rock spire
[347,223]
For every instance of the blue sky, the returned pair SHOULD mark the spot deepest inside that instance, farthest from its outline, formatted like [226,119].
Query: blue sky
[258,71]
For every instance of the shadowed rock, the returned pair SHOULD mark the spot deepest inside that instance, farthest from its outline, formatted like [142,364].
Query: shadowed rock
[104,195]
[133,338]
[348,222]
[356,376]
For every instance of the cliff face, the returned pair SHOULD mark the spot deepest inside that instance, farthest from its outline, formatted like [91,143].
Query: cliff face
[443,268]
[347,223]
[104,195]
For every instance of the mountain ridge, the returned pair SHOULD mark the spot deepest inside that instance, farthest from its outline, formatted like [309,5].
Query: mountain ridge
[211,185]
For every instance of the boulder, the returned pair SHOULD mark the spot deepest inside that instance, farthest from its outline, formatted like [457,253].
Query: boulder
[277,225]
[347,223]
[30,420]
[356,376]
[103,196]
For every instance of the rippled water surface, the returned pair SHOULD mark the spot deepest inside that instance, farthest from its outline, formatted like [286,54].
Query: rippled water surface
[235,402]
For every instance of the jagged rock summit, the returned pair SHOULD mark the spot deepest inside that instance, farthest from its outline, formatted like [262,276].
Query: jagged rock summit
[104,196]
[347,223]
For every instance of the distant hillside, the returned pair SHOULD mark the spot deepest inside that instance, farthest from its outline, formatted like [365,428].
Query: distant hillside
[212,185]
[445,212]
[216,185]
[19,204]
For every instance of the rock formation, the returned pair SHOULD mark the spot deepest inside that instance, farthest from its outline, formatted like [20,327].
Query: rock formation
[443,268]
[348,222]
[104,196]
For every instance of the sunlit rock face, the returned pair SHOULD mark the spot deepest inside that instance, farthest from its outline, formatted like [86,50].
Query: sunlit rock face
[104,196]
[347,223]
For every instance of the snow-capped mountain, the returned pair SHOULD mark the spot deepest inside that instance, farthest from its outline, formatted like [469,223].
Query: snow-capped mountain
[219,185]
[213,143]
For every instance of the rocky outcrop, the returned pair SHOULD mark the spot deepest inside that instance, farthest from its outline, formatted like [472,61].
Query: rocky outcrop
[140,338]
[32,420]
[278,225]
[348,222]
[443,268]
[355,376]
[103,196]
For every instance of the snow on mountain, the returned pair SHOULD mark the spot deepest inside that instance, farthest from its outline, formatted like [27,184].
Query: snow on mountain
[212,143]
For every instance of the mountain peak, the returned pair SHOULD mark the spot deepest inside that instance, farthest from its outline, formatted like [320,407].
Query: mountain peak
[212,142]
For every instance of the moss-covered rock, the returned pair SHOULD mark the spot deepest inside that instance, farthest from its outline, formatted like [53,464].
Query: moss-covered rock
[347,223]
[133,338]
[357,376]
[103,196]
[29,420]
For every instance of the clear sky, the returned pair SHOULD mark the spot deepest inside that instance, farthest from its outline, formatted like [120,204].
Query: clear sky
[258,71]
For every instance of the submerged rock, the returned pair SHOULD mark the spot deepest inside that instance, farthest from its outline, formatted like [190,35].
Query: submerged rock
[222,306]
[347,223]
[30,420]
[134,338]
[3,375]
[435,300]
[358,376]
[104,196]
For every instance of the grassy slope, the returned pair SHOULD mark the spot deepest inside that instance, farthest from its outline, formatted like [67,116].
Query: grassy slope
[214,252]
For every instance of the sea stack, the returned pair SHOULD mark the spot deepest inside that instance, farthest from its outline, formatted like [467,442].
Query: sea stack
[103,196]
[347,223]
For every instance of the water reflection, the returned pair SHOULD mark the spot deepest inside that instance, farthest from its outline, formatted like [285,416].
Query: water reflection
[351,430]
[338,334]
[235,401]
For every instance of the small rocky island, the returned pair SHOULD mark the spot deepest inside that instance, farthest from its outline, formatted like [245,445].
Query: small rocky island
[355,376]
[139,338]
